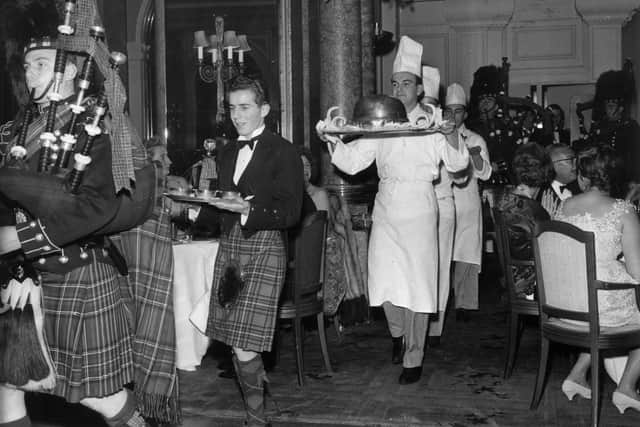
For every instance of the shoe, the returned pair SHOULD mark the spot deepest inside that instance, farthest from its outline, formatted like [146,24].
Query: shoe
[410,375]
[228,374]
[397,353]
[434,341]
[571,388]
[622,402]
[462,315]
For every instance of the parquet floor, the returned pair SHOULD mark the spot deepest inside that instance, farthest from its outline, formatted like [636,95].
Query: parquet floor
[461,386]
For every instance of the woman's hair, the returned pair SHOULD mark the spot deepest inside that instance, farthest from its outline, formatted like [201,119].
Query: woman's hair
[602,167]
[315,168]
[532,165]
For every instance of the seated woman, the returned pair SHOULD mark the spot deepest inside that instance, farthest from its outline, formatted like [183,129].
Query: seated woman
[316,194]
[617,229]
[317,199]
[532,168]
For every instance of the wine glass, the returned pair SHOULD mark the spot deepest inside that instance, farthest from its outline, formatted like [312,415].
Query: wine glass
[209,145]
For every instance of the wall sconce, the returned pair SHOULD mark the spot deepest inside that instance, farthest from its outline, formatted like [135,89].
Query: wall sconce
[221,65]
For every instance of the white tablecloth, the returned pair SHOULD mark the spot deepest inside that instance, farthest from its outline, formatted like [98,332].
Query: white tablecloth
[193,273]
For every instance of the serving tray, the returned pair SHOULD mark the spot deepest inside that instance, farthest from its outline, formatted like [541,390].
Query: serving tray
[383,133]
[189,198]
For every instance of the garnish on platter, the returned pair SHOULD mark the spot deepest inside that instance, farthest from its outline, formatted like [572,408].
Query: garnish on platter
[380,115]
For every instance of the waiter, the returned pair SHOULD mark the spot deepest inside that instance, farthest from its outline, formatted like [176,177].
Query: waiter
[467,243]
[266,172]
[403,248]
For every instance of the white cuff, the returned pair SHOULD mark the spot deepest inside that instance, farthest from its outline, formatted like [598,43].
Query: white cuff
[243,218]
[192,213]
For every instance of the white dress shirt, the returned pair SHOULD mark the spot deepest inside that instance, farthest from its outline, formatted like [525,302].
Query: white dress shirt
[562,195]
[245,154]
[244,157]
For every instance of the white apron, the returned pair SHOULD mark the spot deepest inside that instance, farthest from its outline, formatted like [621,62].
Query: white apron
[467,243]
[446,229]
[403,248]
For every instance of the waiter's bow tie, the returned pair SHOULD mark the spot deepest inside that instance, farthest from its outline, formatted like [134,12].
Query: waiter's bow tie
[250,142]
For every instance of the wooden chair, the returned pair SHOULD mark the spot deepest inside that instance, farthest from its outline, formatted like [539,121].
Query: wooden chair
[303,286]
[518,306]
[567,289]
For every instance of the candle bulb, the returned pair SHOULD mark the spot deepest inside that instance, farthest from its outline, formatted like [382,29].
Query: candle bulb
[214,56]
[230,54]
[240,56]
[200,53]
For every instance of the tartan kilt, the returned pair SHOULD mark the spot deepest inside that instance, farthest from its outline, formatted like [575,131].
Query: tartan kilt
[250,323]
[87,332]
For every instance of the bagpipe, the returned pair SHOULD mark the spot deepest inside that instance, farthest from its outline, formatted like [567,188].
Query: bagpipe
[69,132]
[75,150]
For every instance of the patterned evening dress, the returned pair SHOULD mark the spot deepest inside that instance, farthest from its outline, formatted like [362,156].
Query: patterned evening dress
[520,214]
[617,307]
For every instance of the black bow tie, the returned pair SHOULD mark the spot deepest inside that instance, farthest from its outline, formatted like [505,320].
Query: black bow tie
[563,187]
[250,142]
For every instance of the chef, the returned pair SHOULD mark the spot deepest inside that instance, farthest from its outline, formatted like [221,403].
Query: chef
[446,214]
[467,243]
[403,248]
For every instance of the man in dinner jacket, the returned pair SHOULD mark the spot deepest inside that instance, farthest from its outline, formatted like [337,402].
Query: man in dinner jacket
[266,173]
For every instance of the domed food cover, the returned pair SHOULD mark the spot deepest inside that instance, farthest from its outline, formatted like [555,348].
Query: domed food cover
[378,110]
[383,116]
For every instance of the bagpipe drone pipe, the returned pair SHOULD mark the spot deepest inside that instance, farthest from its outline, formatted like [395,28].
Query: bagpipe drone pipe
[78,131]
[40,183]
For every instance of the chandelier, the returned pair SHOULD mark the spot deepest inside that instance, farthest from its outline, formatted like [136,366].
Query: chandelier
[220,58]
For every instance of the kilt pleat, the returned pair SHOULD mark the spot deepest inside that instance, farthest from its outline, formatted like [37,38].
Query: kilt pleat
[87,332]
[250,323]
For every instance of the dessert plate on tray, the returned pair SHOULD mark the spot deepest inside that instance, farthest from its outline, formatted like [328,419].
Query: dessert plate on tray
[198,197]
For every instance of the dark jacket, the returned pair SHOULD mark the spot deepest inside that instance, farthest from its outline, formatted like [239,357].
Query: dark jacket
[61,225]
[274,178]
[572,186]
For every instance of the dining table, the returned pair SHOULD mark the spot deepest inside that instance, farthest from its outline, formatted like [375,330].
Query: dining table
[192,277]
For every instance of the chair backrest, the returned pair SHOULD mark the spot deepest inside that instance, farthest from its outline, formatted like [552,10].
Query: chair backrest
[309,255]
[504,253]
[566,271]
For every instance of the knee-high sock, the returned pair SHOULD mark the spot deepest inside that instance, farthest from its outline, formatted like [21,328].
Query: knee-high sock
[12,406]
[251,376]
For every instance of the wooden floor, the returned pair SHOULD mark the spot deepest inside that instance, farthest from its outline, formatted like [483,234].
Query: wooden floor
[461,386]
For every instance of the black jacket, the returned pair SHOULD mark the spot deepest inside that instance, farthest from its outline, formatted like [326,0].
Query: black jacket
[274,178]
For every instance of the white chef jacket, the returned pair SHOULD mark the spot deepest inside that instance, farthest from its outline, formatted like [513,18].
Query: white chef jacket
[467,243]
[403,247]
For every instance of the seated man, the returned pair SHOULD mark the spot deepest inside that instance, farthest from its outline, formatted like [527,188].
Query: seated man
[564,184]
